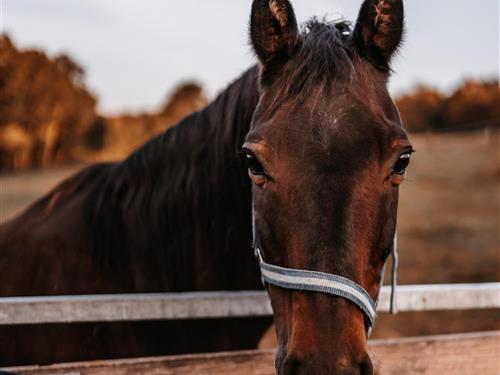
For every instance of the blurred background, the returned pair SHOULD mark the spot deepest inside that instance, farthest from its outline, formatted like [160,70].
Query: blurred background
[87,81]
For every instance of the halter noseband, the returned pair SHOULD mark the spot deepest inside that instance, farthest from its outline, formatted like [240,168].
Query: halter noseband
[335,285]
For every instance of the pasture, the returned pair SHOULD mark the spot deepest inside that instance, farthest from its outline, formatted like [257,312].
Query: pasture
[448,224]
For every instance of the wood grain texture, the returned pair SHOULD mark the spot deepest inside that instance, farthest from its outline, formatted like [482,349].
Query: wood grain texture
[464,354]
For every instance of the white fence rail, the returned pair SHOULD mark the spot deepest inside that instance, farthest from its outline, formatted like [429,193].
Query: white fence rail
[173,306]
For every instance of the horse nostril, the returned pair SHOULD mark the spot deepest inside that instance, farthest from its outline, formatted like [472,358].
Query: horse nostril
[366,367]
[363,367]
[291,366]
[296,365]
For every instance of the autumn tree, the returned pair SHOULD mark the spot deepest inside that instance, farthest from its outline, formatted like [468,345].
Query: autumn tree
[473,105]
[46,100]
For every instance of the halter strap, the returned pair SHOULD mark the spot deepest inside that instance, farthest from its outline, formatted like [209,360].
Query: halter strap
[394,275]
[335,285]
[313,281]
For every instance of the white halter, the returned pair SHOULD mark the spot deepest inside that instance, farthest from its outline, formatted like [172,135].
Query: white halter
[313,281]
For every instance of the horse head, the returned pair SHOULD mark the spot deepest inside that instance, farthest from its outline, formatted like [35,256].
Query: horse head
[326,152]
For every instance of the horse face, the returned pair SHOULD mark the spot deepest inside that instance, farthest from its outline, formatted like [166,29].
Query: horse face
[326,153]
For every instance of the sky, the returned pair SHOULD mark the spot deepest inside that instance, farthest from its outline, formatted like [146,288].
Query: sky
[134,52]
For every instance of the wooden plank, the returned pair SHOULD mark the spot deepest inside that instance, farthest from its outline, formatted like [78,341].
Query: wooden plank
[461,354]
[436,297]
[464,354]
[247,362]
[132,307]
[165,306]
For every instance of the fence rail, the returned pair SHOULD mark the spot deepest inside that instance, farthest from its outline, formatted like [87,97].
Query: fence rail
[463,354]
[199,305]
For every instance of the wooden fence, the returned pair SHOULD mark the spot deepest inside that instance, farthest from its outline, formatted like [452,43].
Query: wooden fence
[168,306]
[464,354]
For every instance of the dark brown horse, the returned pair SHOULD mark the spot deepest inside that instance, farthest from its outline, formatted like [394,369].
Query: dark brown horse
[323,143]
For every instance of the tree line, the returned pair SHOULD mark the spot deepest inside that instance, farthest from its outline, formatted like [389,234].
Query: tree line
[475,104]
[48,115]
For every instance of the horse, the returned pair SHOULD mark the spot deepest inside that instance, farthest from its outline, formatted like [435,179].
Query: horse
[314,127]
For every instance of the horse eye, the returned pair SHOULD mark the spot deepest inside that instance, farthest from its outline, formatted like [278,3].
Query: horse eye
[254,165]
[401,164]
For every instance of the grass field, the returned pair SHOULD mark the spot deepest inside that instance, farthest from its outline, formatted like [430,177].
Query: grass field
[448,224]
[17,191]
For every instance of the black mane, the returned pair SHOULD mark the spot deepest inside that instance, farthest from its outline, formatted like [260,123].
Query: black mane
[176,189]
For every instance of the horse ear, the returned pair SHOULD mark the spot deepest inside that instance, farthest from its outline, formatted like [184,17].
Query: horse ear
[379,30]
[273,31]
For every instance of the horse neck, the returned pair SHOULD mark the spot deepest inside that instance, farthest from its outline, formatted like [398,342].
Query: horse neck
[191,194]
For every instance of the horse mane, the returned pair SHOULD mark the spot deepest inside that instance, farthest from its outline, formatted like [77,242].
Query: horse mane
[183,191]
